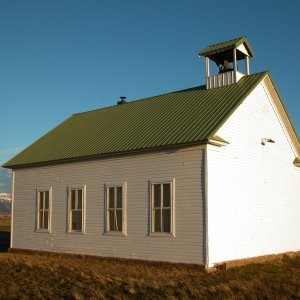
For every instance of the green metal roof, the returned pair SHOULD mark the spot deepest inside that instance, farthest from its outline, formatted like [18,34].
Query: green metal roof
[215,50]
[182,117]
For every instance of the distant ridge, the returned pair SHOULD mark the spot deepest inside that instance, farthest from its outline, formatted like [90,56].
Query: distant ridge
[5,204]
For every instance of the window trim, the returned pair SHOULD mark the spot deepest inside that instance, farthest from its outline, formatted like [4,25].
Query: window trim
[124,209]
[151,215]
[83,216]
[43,230]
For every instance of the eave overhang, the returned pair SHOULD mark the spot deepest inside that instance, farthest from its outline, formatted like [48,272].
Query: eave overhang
[105,155]
[218,141]
[296,162]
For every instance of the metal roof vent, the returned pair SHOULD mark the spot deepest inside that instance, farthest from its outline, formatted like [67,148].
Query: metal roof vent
[122,101]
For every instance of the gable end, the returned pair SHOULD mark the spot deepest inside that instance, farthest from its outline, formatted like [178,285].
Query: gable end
[282,113]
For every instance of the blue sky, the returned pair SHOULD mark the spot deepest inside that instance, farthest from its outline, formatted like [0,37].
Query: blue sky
[62,57]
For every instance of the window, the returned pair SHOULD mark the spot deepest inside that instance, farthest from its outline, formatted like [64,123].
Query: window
[163,208]
[76,204]
[43,210]
[115,209]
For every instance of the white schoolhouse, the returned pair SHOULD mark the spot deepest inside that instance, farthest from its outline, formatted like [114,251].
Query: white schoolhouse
[203,175]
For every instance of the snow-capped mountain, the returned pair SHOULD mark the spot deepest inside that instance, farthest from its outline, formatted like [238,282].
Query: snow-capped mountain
[5,204]
[5,196]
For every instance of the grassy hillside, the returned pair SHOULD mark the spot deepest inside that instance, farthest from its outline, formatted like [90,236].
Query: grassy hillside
[50,276]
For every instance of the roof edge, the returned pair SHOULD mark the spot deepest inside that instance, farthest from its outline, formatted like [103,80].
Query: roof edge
[198,87]
[282,111]
[251,52]
[62,161]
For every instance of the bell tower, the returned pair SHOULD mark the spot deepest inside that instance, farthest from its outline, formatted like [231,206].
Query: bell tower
[226,55]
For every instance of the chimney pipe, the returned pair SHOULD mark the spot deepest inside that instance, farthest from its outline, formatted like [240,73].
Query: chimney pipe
[122,101]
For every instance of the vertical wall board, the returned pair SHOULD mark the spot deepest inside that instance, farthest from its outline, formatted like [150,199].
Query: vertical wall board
[137,170]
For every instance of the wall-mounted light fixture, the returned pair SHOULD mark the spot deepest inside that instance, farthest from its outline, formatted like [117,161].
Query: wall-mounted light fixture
[266,140]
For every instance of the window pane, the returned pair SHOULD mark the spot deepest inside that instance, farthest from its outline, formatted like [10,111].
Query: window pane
[156,195]
[79,201]
[41,219]
[76,220]
[111,197]
[45,220]
[119,197]
[119,220]
[79,220]
[166,220]
[73,199]
[41,200]
[157,220]
[111,221]
[73,220]
[167,195]
[47,200]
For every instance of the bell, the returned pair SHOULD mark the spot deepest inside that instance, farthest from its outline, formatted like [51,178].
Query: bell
[227,66]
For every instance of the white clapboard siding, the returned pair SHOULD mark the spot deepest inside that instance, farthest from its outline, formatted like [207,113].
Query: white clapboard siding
[183,164]
[253,190]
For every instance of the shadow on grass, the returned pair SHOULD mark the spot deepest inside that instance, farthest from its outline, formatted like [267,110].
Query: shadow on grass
[4,240]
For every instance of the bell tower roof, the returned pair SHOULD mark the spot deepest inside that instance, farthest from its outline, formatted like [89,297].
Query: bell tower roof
[223,51]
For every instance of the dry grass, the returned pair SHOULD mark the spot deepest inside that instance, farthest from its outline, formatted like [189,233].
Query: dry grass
[35,276]
[49,276]
[5,221]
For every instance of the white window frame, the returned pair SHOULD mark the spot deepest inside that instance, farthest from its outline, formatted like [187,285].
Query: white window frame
[38,209]
[83,210]
[123,185]
[172,208]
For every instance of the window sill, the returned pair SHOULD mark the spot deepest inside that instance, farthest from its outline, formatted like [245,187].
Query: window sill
[115,233]
[75,232]
[43,231]
[161,234]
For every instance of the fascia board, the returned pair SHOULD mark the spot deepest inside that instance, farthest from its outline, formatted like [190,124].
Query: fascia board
[282,112]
